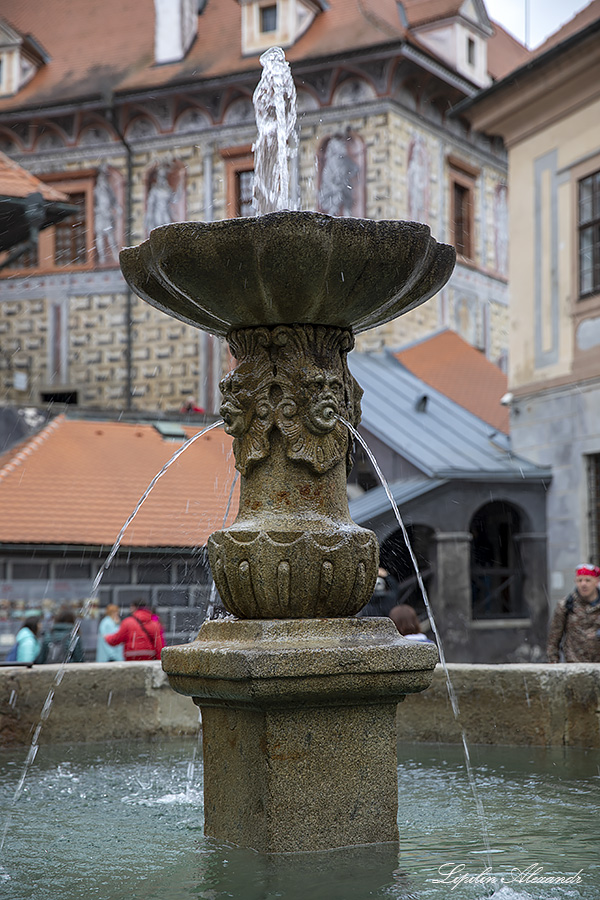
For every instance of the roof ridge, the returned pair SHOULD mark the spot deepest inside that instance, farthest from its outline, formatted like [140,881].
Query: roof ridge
[398,351]
[31,444]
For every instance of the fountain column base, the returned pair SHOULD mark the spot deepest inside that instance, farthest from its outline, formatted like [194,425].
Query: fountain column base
[299,730]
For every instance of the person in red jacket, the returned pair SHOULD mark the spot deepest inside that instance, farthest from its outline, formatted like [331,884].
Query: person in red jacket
[141,634]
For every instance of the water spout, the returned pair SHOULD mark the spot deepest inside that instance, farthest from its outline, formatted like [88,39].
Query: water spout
[449,686]
[275,110]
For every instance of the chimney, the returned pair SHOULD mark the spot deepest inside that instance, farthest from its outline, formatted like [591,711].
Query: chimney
[175,27]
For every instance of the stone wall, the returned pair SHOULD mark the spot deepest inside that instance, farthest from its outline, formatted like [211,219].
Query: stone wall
[166,354]
[94,702]
[529,705]
[561,428]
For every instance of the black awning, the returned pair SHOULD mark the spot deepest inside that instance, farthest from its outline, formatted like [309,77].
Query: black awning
[21,218]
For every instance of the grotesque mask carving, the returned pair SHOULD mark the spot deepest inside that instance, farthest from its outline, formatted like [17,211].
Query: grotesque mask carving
[294,378]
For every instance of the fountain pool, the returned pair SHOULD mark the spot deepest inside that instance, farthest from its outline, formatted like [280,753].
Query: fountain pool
[124,820]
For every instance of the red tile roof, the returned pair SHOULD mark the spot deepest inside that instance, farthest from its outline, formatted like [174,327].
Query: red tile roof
[455,368]
[505,53]
[97,49]
[76,482]
[17,182]
[420,12]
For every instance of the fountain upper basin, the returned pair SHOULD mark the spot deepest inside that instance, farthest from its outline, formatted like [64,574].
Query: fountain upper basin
[288,268]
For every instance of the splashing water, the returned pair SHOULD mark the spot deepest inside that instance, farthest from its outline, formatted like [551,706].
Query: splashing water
[275,109]
[85,609]
[449,685]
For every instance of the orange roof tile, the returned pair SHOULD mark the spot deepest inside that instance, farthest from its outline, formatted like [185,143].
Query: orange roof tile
[17,182]
[76,482]
[455,368]
[505,53]
[84,66]
[419,12]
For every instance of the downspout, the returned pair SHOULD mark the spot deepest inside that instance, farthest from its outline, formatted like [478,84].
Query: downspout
[113,119]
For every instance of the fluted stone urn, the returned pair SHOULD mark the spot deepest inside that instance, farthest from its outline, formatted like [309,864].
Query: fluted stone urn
[298,698]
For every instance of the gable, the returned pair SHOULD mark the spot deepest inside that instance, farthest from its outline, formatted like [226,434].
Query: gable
[475,11]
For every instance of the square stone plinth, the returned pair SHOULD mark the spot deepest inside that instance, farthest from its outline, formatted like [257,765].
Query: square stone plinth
[299,734]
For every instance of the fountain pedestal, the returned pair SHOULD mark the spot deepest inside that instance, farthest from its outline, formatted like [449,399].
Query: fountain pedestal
[298,698]
[299,727]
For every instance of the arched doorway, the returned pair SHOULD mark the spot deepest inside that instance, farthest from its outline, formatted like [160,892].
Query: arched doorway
[395,557]
[496,566]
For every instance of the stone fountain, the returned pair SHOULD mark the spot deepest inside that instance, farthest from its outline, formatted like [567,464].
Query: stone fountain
[298,697]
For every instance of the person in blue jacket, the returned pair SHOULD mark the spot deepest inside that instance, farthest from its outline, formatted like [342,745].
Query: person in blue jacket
[109,625]
[28,644]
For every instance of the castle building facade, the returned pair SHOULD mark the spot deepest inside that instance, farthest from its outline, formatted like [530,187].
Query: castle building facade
[142,115]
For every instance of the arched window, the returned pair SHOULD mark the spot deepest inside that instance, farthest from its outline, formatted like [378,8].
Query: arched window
[496,568]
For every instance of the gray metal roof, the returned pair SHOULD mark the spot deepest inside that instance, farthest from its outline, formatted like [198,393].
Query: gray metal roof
[436,435]
[374,502]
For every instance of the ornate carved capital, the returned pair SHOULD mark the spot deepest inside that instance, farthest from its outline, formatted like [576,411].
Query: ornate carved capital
[293,379]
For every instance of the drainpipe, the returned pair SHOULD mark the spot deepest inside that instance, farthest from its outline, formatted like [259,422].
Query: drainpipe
[111,115]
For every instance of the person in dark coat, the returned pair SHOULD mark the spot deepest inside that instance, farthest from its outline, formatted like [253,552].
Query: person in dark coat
[56,646]
[384,597]
[406,621]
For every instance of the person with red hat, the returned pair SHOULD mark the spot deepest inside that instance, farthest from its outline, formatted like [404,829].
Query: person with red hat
[575,625]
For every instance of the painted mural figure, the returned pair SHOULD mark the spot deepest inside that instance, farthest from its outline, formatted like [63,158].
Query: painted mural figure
[107,212]
[161,200]
[340,174]
[501,221]
[417,177]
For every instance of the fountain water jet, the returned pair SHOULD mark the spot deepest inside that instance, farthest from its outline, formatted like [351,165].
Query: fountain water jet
[450,687]
[298,698]
[47,707]
[275,104]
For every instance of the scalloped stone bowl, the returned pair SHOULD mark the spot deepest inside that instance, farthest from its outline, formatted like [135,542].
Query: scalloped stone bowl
[288,268]
[301,575]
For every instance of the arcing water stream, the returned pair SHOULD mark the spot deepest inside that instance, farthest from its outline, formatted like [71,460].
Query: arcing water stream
[33,749]
[451,692]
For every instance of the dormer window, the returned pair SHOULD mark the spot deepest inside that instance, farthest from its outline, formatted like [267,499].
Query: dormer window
[459,38]
[175,28]
[268,18]
[266,23]
[20,58]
